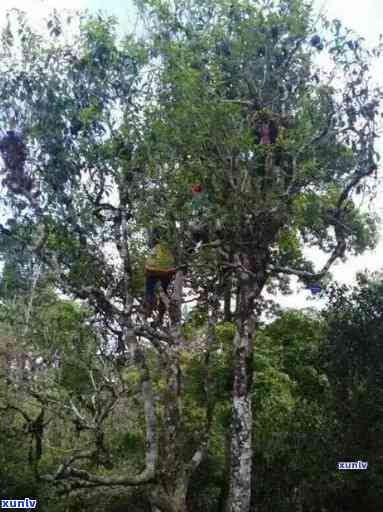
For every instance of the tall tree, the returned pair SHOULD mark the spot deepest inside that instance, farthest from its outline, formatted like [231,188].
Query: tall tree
[280,143]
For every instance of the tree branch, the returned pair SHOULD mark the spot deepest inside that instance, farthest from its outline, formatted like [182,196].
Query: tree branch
[146,477]
[337,253]
[201,451]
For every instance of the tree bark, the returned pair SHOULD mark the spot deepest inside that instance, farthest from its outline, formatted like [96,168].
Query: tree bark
[241,442]
[175,473]
[241,446]
[170,493]
[227,299]
[163,502]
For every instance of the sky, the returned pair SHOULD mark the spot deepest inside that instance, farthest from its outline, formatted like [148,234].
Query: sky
[363,17]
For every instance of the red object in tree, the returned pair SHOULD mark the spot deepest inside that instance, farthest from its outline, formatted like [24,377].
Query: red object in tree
[196,188]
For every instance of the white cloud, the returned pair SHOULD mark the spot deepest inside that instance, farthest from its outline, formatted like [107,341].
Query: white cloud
[38,10]
[43,7]
[363,17]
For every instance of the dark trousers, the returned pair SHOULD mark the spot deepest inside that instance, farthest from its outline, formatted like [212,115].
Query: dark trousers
[151,283]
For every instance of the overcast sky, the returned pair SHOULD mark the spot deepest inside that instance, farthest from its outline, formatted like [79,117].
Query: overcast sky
[364,17]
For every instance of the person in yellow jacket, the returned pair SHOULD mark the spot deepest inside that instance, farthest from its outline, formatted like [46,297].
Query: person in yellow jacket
[159,268]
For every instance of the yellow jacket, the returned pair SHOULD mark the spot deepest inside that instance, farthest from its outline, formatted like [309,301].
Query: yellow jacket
[160,260]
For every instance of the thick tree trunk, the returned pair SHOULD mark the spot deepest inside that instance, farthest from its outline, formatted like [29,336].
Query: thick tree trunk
[174,472]
[171,435]
[241,443]
[241,446]
[170,493]
[163,501]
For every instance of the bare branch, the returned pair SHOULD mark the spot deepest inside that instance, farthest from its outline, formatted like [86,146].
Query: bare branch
[247,103]
[81,419]
[146,477]
[337,253]
[354,182]
[63,468]
[84,478]
[99,297]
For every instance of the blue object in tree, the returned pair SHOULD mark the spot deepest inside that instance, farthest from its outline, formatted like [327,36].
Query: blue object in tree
[315,288]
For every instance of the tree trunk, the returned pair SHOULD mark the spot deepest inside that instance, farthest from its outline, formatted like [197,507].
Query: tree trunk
[227,299]
[162,501]
[171,435]
[241,446]
[175,473]
[170,494]
[241,442]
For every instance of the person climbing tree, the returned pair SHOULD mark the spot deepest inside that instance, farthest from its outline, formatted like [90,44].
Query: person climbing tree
[13,152]
[272,163]
[159,268]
